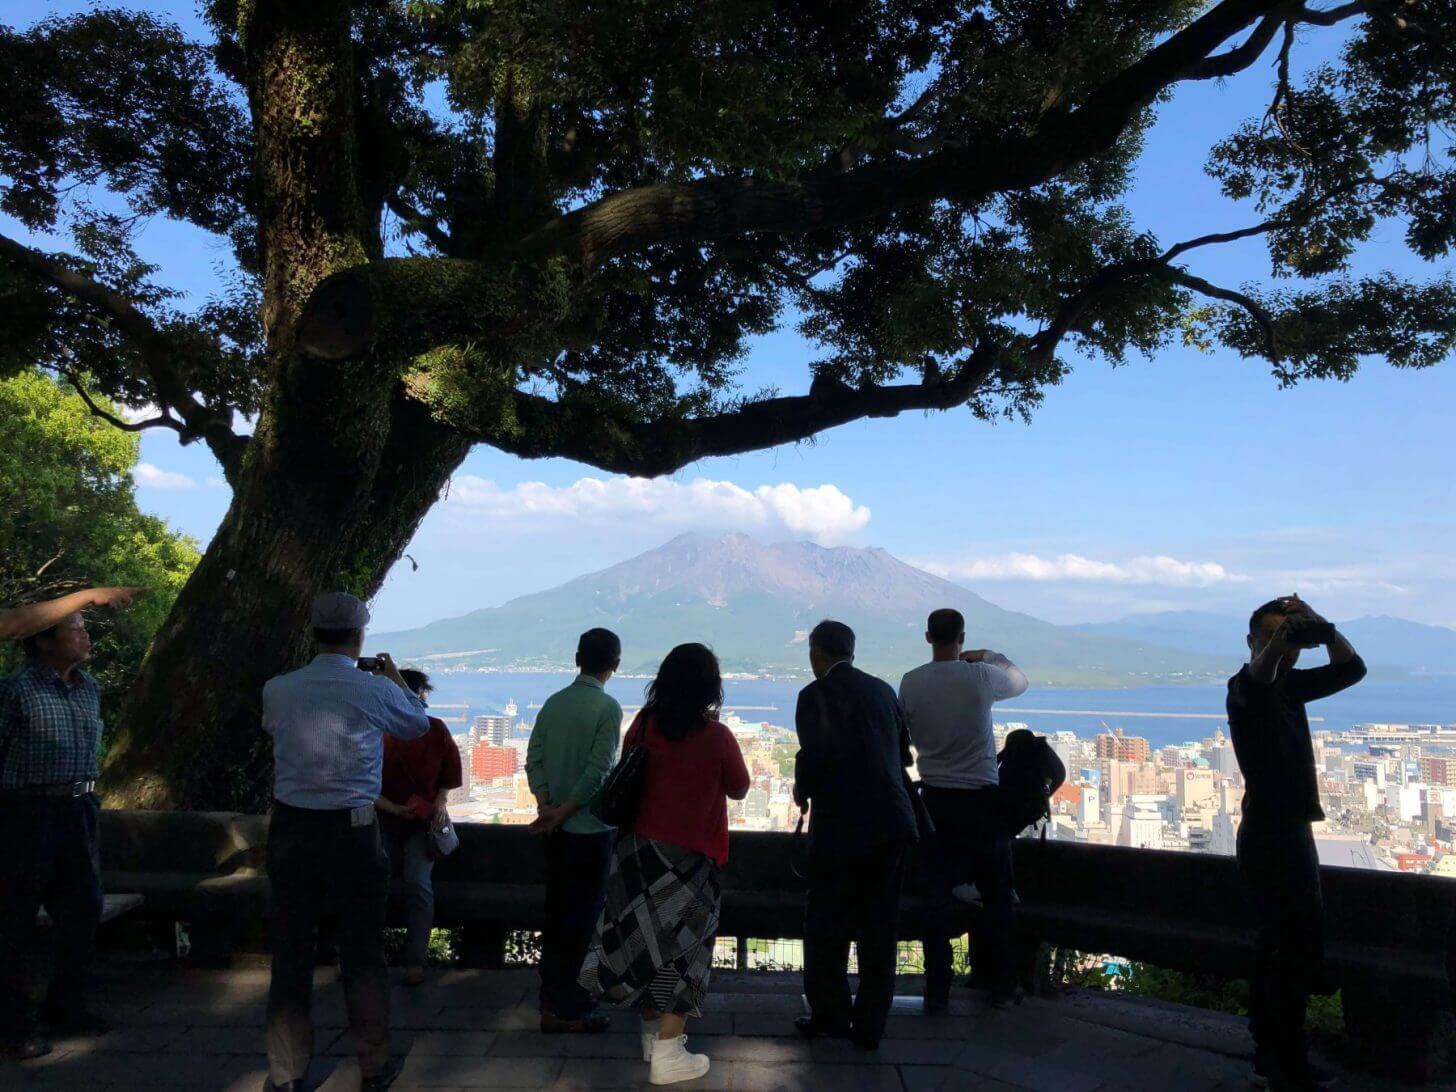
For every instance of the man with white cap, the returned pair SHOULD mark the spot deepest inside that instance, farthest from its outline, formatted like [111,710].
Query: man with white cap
[325,858]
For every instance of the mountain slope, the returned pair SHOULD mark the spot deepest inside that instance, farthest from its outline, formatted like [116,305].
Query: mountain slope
[1391,644]
[755,604]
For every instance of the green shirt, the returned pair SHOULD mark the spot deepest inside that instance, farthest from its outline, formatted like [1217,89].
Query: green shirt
[572,749]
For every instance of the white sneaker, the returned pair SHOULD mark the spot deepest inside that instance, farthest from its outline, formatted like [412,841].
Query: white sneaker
[672,1063]
[649,1036]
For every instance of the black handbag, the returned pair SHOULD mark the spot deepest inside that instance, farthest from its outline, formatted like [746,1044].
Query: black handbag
[621,794]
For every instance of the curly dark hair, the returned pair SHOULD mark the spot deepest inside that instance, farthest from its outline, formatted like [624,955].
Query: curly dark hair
[687,692]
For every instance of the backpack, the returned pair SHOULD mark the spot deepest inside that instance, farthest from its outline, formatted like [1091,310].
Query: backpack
[1030,772]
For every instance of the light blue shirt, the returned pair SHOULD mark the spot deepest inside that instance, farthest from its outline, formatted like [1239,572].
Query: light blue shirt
[328,722]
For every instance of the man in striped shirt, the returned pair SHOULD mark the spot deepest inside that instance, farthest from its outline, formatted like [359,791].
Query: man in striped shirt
[50,735]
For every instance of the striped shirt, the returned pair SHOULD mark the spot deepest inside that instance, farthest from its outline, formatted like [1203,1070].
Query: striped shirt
[50,730]
[328,721]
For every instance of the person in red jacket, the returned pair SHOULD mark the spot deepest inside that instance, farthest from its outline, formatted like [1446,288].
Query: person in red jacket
[417,779]
[653,947]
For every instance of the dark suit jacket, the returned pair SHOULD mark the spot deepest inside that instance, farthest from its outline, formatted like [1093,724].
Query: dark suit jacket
[853,751]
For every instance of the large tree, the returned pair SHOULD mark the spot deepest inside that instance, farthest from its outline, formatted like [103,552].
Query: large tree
[550,226]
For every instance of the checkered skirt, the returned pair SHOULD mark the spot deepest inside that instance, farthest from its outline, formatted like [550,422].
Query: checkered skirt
[653,947]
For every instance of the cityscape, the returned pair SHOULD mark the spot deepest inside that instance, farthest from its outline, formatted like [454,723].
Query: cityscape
[1388,790]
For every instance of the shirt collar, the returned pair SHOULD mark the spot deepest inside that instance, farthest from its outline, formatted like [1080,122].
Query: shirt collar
[590,680]
[49,675]
[836,663]
[334,658]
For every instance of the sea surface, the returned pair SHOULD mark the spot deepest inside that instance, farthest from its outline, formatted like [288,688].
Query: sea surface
[1163,715]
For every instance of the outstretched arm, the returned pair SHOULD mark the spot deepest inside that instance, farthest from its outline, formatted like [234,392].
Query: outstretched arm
[21,622]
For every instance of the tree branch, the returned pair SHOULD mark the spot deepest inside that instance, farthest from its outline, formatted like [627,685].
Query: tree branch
[1248,303]
[162,420]
[583,432]
[718,207]
[413,219]
[157,351]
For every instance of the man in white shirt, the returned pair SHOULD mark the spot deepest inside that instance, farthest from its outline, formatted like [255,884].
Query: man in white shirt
[947,706]
[325,857]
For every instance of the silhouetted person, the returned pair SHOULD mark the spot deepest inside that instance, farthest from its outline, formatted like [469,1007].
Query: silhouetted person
[572,748]
[50,735]
[850,775]
[652,951]
[947,706]
[413,796]
[326,860]
[1276,849]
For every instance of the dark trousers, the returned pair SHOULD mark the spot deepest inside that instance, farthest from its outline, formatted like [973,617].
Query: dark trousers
[970,845]
[1280,870]
[48,857]
[576,873]
[323,869]
[856,899]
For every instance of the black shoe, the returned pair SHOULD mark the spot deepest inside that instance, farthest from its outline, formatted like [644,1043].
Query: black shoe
[381,1080]
[1007,999]
[864,1042]
[26,1047]
[291,1086]
[810,1028]
[590,1024]
[76,1020]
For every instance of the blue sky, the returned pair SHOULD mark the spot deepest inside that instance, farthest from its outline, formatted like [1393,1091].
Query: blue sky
[1189,481]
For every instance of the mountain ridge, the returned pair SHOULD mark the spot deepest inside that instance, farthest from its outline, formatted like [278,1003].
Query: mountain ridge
[754,604]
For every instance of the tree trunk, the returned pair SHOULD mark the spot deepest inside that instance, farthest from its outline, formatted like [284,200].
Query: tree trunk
[191,735]
[340,470]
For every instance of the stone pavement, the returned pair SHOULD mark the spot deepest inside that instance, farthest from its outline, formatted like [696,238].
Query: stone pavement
[201,1030]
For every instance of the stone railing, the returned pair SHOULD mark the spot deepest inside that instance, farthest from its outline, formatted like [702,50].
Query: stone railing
[1388,934]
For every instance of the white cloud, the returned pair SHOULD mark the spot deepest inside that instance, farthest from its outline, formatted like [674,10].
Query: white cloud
[148,476]
[1154,570]
[821,513]
[144,412]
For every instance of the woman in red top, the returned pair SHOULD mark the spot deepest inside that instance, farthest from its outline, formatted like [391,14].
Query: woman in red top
[653,948]
[417,779]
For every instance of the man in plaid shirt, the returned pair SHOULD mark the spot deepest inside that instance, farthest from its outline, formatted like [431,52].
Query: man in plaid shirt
[50,733]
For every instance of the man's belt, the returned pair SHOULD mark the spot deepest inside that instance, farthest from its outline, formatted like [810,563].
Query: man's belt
[73,788]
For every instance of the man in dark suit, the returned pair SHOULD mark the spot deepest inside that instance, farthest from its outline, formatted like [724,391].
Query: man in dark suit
[850,773]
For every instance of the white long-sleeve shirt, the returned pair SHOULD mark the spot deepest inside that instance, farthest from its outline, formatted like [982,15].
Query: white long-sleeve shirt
[327,721]
[948,709]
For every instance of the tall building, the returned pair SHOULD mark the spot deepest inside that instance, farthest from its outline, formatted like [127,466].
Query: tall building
[492,730]
[487,763]
[1192,788]
[1123,748]
[1439,771]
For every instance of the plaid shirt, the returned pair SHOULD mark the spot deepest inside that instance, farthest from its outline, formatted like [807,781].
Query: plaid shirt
[50,732]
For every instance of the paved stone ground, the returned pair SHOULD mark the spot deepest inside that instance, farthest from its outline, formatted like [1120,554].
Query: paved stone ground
[477,1029]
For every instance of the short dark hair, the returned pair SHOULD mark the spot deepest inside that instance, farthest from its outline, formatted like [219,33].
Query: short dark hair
[1256,620]
[322,636]
[945,625]
[416,680]
[834,639]
[598,650]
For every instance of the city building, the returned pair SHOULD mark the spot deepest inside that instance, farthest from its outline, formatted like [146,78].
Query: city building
[1115,745]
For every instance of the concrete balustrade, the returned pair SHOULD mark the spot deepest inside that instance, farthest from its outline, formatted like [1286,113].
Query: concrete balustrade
[1388,934]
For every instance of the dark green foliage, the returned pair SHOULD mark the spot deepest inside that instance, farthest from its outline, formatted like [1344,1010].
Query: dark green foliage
[554,104]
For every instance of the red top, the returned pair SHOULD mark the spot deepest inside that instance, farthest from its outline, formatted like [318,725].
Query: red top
[420,767]
[684,801]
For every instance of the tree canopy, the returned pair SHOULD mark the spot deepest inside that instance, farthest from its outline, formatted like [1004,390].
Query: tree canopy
[554,226]
[588,209]
[72,521]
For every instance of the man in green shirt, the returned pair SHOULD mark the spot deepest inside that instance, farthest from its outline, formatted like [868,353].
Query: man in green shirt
[572,748]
